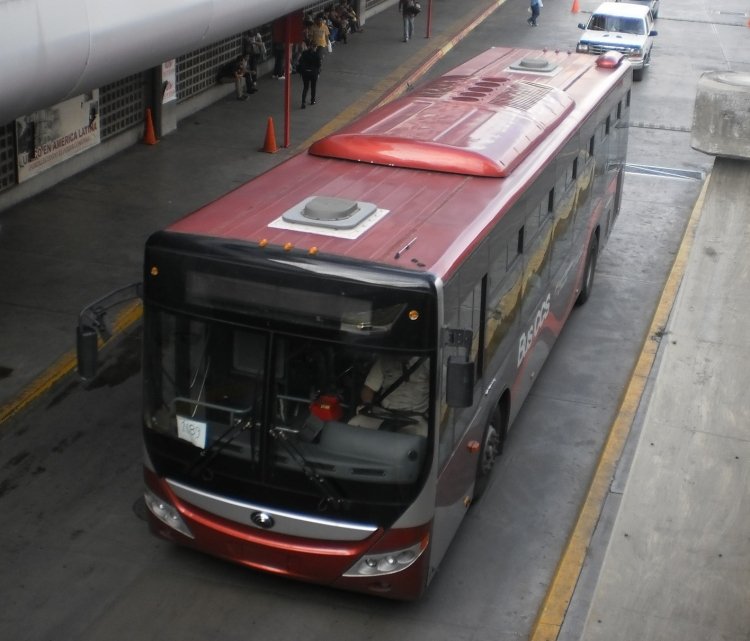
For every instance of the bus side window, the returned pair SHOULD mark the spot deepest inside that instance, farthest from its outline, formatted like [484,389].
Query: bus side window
[591,167]
[550,203]
[535,269]
[470,317]
[503,302]
[533,222]
[562,235]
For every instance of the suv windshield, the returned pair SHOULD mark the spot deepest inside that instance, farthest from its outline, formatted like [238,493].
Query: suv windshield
[601,22]
[265,415]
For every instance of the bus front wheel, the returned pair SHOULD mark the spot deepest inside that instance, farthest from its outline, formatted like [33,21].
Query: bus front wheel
[492,447]
[589,271]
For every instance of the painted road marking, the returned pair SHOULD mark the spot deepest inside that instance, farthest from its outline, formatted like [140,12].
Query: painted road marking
[64,365]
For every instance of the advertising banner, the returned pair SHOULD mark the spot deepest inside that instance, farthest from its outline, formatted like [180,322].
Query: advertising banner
[169,81]
[50,136]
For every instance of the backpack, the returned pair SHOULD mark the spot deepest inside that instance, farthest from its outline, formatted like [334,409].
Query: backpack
[307,64]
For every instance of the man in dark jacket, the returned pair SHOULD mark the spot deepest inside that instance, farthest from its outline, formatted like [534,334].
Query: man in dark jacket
[309,69]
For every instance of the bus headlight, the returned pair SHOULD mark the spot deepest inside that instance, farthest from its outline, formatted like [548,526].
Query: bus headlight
[387,562]
[582,48]
[166,513]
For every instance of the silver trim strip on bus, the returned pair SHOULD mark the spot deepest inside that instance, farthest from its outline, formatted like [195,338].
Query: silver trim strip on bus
[270,519]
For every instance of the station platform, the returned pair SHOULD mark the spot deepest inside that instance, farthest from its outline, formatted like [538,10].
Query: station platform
[676,565]
[675,560]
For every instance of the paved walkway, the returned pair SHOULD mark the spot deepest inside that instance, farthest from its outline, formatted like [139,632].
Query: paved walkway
[677,567]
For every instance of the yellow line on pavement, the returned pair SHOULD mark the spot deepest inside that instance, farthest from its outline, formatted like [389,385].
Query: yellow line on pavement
[551,614]
[64,365]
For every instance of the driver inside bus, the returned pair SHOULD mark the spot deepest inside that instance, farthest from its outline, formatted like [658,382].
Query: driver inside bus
[395,395]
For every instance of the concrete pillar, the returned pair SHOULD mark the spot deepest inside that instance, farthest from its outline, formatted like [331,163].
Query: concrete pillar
[721,118]
[360,7]
[164,98]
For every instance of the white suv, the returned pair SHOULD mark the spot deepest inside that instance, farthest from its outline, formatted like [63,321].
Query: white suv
[620,26]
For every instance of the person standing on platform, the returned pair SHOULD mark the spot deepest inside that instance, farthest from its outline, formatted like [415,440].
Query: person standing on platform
[409,9]
[244,83]
[255,51]
[536,9]
[321,35]
[309,69]
[278,42]
[299,47]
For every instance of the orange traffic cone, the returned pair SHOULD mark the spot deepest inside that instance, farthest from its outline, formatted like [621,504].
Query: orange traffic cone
[149,137]
[574,8]
[269,146]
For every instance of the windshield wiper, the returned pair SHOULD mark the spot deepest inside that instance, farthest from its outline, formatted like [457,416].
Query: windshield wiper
[313,425]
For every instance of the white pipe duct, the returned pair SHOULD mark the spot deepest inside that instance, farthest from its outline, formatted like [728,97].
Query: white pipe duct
[51,50]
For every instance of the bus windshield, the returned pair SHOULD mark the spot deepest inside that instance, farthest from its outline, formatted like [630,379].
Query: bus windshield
[261,414]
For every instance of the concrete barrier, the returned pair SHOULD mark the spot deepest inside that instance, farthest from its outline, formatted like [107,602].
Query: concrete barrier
[721,118]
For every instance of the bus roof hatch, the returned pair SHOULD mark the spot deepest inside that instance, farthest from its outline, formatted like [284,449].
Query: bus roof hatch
[335,213]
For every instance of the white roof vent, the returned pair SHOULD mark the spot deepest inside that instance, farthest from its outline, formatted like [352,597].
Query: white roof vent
[339,217]
[334,213]
[534,65]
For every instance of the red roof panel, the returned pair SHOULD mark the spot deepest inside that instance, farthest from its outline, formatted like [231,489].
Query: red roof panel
[452,153]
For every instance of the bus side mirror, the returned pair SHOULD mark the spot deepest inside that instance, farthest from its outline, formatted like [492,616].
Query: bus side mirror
[87,351]
[91,325]
[459,386]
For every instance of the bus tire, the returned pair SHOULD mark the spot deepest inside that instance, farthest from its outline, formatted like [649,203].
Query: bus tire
[492,446]
[589,271]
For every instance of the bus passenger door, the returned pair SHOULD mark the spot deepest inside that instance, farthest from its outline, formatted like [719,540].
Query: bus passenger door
[458,427]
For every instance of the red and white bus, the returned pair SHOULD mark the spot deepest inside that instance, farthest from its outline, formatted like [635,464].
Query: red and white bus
[451,232]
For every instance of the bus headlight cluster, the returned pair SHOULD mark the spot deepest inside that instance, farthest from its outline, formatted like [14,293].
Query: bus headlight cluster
[387,562]
[166,513]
